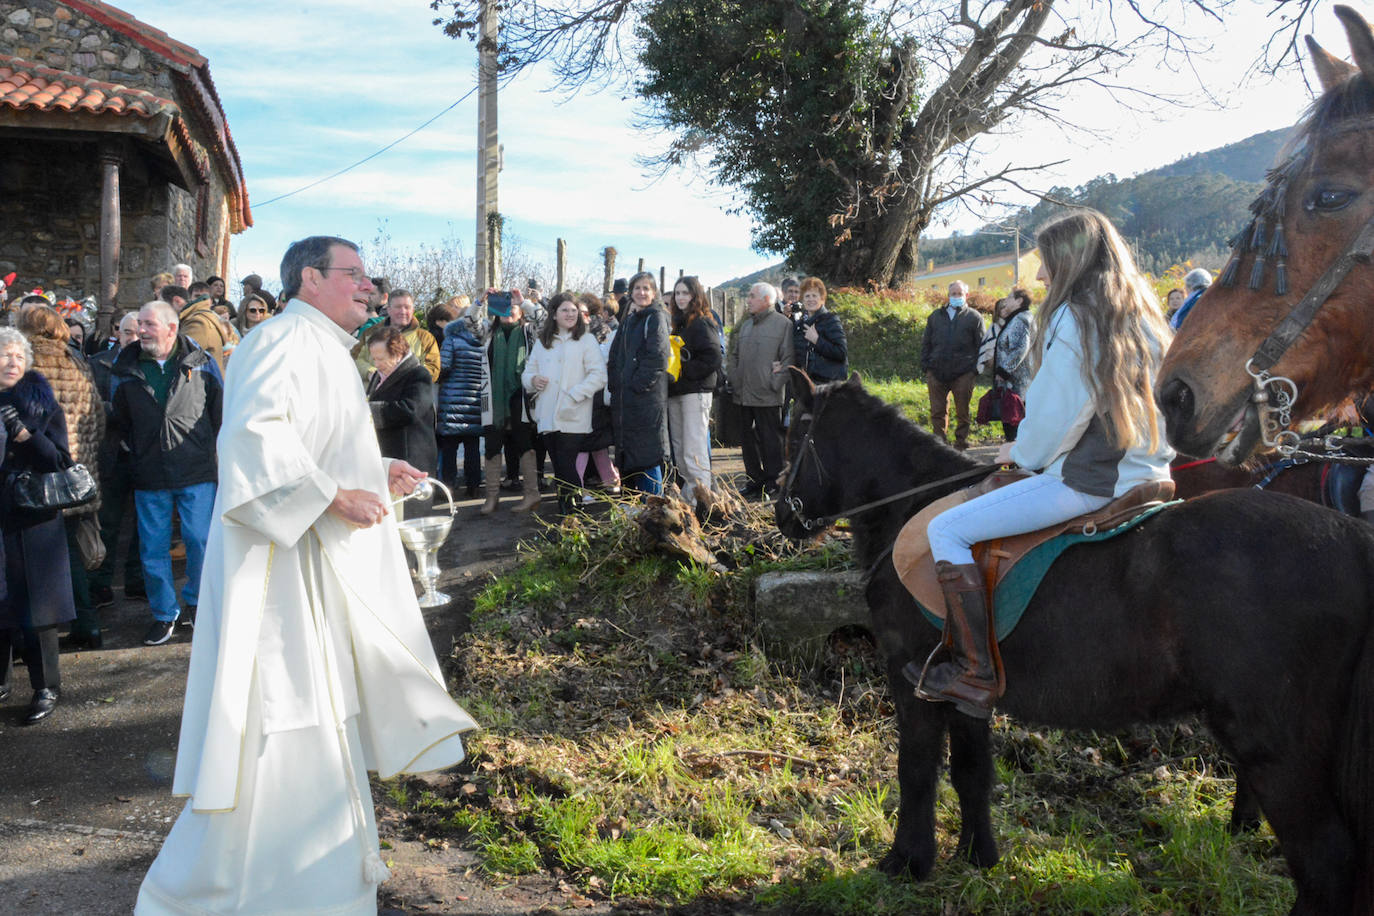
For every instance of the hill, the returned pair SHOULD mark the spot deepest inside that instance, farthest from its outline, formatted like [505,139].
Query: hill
[1184,211]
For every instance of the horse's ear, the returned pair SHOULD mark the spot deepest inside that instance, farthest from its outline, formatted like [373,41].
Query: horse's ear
[855,379]
[1361,40]
[1331,70]
[805,388]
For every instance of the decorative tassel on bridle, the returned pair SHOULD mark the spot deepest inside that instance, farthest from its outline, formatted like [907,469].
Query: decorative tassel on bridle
[1267,211]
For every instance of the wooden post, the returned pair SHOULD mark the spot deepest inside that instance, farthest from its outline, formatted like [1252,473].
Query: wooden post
[640,268]
[488,145]
[680,273]
[608,278]
[562,256]
[661,277]
[110,239]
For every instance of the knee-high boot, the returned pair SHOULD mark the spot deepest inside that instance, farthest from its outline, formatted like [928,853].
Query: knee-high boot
[529,479]
[492,480]
[973,679]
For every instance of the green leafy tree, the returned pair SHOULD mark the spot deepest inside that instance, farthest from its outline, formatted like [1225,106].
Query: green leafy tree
[845,123]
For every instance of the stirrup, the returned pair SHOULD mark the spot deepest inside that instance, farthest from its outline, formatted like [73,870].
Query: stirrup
[920,682]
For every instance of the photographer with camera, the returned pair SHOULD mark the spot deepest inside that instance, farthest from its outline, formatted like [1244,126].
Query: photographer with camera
[818,337]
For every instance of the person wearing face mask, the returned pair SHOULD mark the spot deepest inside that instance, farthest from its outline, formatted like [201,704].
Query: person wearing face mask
[949,359]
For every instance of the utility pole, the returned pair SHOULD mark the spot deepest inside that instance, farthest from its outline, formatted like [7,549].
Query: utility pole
[488,146]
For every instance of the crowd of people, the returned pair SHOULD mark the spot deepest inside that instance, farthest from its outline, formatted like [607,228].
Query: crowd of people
[486,395]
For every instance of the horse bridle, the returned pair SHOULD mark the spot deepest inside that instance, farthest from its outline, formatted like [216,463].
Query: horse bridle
[1275,395]
[808,447]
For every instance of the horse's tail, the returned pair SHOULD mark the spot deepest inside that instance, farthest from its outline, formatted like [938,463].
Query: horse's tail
[1355,772]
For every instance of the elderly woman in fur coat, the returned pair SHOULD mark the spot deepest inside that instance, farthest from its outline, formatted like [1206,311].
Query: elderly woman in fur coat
[37,587]
[73,385]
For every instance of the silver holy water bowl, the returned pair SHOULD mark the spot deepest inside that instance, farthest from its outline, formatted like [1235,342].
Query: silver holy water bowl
[424,536]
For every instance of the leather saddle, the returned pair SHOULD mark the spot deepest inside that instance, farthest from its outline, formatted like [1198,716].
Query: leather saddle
[996,558]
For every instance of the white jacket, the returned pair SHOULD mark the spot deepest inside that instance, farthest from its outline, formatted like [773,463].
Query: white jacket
[1062,434]
[576,370]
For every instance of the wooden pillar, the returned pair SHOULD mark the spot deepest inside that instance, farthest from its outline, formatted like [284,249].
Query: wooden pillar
[111,232]
[562,256]
[640,268]
[662,277]
[608,278]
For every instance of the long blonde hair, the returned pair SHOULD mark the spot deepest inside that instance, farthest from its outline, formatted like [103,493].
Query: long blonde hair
[1122,330]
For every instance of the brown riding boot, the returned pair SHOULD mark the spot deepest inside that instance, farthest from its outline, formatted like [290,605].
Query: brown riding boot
[491,472]
[973,679]
[529,480]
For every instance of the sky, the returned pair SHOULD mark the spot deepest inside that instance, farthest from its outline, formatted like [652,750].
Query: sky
[311,87]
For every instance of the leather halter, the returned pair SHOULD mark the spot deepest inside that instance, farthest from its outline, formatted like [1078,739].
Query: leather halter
[808,447]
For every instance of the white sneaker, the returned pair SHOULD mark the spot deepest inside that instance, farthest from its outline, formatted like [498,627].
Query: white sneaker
[588,499]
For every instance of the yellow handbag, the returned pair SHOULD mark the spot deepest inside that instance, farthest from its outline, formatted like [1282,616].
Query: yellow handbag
[674,357]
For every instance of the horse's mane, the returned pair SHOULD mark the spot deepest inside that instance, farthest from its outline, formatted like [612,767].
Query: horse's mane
[1352,100]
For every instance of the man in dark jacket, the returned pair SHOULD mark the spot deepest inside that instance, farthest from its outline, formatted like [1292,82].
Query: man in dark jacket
[166,402]
[116,482]
[949,358]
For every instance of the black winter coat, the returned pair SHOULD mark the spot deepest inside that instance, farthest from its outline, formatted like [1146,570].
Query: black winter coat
[172,446]
[949,349]
[403,413]
[38,577]
[701,358]
[461,384]
[637,368]
[826,360]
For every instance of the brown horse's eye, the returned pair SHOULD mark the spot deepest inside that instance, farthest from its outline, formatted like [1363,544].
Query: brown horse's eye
[1328,200]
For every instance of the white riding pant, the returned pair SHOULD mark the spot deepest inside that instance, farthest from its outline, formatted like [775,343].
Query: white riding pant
[1026,505]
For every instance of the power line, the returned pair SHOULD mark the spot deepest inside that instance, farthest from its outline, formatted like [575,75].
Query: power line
[350,168]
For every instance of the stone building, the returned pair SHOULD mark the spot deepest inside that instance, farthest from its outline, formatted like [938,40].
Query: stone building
[116,160]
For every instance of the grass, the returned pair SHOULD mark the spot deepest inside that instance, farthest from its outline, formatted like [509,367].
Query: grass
[640,740]
[914,400]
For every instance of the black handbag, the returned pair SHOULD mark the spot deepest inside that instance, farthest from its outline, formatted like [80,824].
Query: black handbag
[46,491]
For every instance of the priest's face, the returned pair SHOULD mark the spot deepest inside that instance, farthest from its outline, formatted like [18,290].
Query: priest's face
[340,290]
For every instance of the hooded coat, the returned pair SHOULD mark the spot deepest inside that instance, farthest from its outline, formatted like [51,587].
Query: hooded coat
[637,370]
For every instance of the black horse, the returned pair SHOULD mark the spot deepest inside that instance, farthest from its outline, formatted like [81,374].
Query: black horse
[1248,608]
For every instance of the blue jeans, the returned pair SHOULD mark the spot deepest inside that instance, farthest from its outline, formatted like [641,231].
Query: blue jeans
[648,481]
[194,505]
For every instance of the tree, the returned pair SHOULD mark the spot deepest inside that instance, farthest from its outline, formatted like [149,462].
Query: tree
[846,123]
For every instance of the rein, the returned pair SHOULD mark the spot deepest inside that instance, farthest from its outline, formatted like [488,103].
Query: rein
[808,447]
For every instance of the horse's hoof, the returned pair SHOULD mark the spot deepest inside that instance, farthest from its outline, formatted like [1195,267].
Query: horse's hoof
[897,865]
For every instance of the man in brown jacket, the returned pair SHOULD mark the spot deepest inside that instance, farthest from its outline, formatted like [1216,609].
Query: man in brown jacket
[759,357]
[200,323]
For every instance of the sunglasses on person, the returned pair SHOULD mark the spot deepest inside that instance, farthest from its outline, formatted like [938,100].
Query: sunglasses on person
[257,311]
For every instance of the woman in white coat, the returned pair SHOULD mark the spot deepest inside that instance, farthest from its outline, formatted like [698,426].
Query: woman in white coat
[563,371]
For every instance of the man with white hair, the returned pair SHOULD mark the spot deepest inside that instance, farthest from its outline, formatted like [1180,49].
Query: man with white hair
[949,358]
[1195,283]
[166,398]
[759,357]
[182,276]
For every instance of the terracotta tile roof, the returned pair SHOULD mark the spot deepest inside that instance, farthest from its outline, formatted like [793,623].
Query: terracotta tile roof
[27,85]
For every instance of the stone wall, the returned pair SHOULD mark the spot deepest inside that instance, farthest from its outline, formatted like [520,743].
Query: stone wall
[49,33]
[50,221]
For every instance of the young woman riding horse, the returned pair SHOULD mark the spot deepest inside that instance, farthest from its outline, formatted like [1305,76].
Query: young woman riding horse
[1091,430]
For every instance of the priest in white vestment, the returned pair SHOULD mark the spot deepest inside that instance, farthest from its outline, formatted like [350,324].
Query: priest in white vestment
[310,664]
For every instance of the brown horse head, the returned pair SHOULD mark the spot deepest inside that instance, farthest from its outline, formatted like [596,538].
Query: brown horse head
[1317,201]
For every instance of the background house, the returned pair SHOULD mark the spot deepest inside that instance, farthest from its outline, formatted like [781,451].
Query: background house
[116,160]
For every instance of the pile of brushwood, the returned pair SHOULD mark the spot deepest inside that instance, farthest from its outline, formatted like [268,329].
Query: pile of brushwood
[640,744]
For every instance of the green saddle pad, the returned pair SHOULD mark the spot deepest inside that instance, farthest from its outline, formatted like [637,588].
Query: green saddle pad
[1015,590]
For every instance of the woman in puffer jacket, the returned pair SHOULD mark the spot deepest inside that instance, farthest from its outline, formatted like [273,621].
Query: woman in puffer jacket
[462,388]
[84,411]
